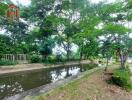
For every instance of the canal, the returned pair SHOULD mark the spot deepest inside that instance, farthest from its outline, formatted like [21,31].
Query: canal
[19,82]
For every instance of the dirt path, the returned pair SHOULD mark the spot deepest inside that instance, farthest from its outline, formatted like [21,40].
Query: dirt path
[93,87]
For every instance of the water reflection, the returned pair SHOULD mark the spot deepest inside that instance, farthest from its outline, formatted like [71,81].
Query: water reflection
[17,83]
[64,73]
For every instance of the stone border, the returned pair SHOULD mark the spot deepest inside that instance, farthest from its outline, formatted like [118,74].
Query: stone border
[46,88]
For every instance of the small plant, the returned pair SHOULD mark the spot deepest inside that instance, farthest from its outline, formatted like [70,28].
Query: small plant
[51,59]
[121,77]
[35,58]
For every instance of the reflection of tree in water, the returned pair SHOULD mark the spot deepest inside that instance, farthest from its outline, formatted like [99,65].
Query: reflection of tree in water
[59,72]
[73,70]
[14,89]
[17,83]
[81,68]
[62,73]
[84,67]
[56,74]
[10,89]
[67,72]
[35,79]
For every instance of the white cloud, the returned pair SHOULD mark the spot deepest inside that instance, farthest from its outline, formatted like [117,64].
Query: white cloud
[97,1]
[28,2]
[23,2]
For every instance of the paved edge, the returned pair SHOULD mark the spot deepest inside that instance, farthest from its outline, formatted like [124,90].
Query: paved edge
[49,87]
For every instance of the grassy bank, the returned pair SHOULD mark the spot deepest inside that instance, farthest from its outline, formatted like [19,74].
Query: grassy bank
[7,63]
[67,92]
[89,87]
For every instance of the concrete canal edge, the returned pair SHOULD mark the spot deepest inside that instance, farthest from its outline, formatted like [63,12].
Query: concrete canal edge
[49,87]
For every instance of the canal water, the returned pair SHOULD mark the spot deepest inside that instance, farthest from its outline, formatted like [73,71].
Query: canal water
[19,82]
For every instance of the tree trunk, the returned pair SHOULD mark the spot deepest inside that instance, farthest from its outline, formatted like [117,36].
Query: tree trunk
[68,51]
[44,57]
[81,51]
[68,58]
[117,54]
[122,62]
[80,57]
[123,59]
[107,64]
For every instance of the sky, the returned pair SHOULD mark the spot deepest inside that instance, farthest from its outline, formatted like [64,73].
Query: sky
[23,2]
[97,1]
[28,2]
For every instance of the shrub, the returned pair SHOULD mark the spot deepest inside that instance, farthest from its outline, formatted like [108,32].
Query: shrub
[7,62]
[58,58]
[51,59]
[121,77]
[35,58]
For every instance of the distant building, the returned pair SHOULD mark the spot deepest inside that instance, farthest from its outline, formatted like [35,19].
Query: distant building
[12,13]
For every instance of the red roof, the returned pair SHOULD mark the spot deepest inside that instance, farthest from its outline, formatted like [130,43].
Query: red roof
[12,5]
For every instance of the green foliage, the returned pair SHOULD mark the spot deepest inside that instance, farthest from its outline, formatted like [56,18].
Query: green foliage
[59,58]
[5,45]
[54,59]
[105,11]
[115,29]
[35,58]
[6,62]
[3,8]
[121,77]
[51,59]
[130,3]
[56,24]
[46,46]
[90,48]
[107,49]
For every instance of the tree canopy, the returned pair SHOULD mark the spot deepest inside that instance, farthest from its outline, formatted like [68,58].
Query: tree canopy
[46,24]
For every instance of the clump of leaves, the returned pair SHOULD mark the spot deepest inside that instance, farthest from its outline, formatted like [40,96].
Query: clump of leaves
[35,58]
[121,77]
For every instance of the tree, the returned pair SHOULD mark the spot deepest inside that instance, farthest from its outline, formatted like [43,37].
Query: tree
[3,8]
[107,49]
[17,30]
[87,38]
[5,45]
[114,27]
[117,33]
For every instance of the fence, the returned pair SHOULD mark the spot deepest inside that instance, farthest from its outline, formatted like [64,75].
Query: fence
[19,58]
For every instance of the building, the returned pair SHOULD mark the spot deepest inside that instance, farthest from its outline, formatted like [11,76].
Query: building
[12,13]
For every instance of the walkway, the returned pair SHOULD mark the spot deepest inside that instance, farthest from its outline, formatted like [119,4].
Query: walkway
[93,87]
